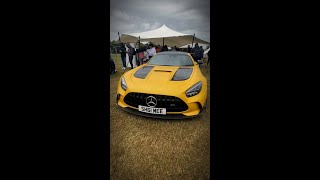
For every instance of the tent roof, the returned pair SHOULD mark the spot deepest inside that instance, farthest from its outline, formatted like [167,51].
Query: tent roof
[171,37]
[162,32]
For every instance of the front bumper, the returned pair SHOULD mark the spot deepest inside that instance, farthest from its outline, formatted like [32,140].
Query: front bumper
[158,116]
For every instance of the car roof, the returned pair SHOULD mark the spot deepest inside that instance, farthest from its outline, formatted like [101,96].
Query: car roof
[173,52]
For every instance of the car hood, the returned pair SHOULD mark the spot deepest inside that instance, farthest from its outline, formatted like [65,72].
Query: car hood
[158,80]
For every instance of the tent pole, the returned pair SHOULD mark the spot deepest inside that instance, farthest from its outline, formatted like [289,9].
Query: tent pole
[139,42]
[193,39]
[163,42]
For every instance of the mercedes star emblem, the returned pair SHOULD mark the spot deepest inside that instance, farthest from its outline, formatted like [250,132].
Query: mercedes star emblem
[151,101]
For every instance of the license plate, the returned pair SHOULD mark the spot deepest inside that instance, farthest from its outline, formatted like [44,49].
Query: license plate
[152,110]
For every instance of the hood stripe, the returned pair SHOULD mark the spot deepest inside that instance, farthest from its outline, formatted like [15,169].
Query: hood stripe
[182,74]
[143,72]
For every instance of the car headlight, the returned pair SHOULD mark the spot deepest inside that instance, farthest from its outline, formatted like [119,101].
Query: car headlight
[194,90]
[123,84]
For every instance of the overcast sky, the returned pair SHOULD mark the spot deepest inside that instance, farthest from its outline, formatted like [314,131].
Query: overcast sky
[186,16]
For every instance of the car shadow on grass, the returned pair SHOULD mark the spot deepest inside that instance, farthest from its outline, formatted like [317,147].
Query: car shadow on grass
[138,117]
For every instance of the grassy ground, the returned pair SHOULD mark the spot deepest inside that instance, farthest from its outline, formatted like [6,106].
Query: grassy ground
[145,148]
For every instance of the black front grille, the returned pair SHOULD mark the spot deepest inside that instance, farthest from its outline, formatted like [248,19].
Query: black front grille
[171,103]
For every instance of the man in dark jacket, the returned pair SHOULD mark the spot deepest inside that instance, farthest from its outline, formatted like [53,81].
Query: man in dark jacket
[196,52]
[201,52]
[189,49]
[137,56]
[130,53]
[123,56]
[164,48]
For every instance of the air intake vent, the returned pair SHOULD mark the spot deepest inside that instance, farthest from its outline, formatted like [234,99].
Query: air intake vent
[171,103]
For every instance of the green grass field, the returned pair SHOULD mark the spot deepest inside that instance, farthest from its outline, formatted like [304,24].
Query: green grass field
[146,148]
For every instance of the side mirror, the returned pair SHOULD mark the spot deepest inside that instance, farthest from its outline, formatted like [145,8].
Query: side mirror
[200,62]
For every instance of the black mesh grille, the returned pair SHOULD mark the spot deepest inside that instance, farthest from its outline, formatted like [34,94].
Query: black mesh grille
[171,103]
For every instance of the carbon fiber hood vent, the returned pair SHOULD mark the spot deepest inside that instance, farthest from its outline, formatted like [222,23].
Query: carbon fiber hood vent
[143,72]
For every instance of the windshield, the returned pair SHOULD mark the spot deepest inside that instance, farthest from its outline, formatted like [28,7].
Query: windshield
[171,60]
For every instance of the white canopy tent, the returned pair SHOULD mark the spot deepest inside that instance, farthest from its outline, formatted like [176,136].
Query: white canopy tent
[162,36]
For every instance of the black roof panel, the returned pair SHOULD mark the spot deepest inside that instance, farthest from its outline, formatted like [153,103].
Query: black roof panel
[173,52]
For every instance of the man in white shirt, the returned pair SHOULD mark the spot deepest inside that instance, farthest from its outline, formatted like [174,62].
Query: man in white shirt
[151,51]
[146,55]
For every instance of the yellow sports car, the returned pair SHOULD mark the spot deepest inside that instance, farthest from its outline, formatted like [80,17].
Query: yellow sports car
[169,86]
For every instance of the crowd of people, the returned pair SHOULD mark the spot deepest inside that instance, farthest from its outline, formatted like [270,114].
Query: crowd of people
[144,53]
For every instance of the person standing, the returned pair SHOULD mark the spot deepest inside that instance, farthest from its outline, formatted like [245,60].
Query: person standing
[158,49]
[137,51]
[201,52]
[164,48]
[152,51]
[189,49]
[123,56]
[130,53]
[146,56]
[140,56]
[196,52]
